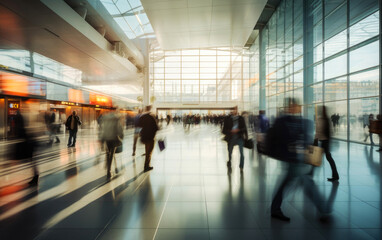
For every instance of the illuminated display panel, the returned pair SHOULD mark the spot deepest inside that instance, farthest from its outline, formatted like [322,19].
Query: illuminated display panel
[75,96]
[20,85]
[101,100]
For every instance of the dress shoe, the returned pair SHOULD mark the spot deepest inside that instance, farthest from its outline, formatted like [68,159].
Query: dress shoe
[279,215]
[334,179]
[133,154]
[148,169]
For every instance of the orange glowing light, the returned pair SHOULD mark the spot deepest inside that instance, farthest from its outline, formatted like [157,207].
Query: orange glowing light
[75,96]
[20,85]
[96,99]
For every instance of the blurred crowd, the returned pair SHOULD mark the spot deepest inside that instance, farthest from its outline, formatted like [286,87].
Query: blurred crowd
[298,142]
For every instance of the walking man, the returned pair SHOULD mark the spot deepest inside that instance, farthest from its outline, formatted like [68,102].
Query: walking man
[112,134]
[235,132]
[72,124]
[149,127]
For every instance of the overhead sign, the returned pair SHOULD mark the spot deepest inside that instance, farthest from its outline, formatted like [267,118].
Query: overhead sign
[101,100]
[20,85]
[75,96]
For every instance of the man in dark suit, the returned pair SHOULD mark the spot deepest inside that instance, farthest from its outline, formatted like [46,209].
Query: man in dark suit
[149,127]
[235,132]
[72,124]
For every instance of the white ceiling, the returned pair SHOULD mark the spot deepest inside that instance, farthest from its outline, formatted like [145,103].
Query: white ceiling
[180,24]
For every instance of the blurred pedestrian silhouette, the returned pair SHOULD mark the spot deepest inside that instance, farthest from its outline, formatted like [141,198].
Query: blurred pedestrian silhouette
[261,127]
[263,122]
[293,135]
[149,128]
[379,120]
[72,124]
[168,119]
[323,135]
[54,125]
[235,132]
[137,130]
[25,148]
[366,124]
[112,135]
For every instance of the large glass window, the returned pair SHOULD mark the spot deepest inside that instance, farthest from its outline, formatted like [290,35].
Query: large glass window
[337,112]
[364,57]
[333,59]
[199,75]
[336,67]
[335,22]
[360,109]
[336,89]
[336,44]
[364,84]
[131,17]
[364,29]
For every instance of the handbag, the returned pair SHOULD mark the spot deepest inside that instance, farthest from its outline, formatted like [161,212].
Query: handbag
[313,155]
[248,143]
[119,149]
[161,144]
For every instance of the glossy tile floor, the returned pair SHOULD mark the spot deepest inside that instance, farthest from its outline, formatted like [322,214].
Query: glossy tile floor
[189,194]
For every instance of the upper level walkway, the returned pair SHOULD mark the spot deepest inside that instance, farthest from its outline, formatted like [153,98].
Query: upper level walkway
[190,194]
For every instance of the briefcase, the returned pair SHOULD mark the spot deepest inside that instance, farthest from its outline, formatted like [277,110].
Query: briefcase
[161,144]
[119,149]
[248,143]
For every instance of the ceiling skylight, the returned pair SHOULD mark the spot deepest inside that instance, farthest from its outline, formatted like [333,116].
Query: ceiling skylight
[131,17]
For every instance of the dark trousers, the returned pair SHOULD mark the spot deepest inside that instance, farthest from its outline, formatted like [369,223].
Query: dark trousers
[53,130]
[149,146]
[235,140]
[72,137]
[325,146]
[299,172]
[110,151]
[136,136]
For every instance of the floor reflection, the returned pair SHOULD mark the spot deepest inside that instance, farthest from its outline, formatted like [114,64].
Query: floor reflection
[191,194]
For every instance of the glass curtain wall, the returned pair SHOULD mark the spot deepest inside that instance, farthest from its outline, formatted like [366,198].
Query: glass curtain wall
[324,52]
[254,77]
[199,75]
[282,41]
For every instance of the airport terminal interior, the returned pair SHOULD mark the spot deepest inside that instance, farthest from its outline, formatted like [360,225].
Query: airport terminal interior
[190,119]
